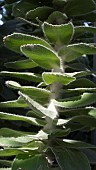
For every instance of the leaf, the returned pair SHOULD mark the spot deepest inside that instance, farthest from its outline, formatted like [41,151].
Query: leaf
[27,162]
[51,77]
[58,34]
[73,51]
[81,83]
[19,103]
[28,142]
[69,159]
[91,155]
[32,92]
[6,163]
[22,64]
[10,152]
[76,7]
[80,101]
[40,12]
[5,168]
[77,111]
[6,132]
[15,40]
[74,144]
[42,111]
[22,75]
[43,56]
[85,120]
[79,30]
[9,142]
[20,9]
[57,17]
[60,132]
[33,121]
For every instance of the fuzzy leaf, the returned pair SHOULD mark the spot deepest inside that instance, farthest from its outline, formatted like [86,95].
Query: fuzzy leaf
[27,162]
[34,121]
[15,40]
[40,12]
[10,152]
[79,101]
[19,103]
[5,168]
[76,7]
[88,121]
[43,56]
[23,64]
[22,75]
[79,30]
[20,8]
[32,92]
[57,17]
[69,159]
[6,132]
[50,78]
[39,108]
[72,52]
[58,34]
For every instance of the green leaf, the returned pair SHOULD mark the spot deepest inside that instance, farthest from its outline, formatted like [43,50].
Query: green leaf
[19,103]
[85,120]
[27,162]
[58,34]
[81,83]
[22,75]
[10,152]
[79,30]
[6,132]
[40,12]
[5,168]
[74,144]
[57,17]
[72,52]
[43,56]
[33,121]
[50,78]
[9,142]
[20,9]
[79,101]
[69,159]
[22,64]
[28,142]
[32,92]
[42,111]
[60,132]
[76,7]
[77,111]
[6,163]
[15,40]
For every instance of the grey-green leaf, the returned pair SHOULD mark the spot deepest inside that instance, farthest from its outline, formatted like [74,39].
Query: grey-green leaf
[50,78]
[22,75]
[22,64]
[28,162]
[79,101]
[76,7]
[44,112]
[73,51]
[19,103]
[41,12]
[43,56]
[58,34]
[69,159]
[33,121]
[15,40]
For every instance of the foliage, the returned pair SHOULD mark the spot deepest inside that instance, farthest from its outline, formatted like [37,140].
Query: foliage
[48,106]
